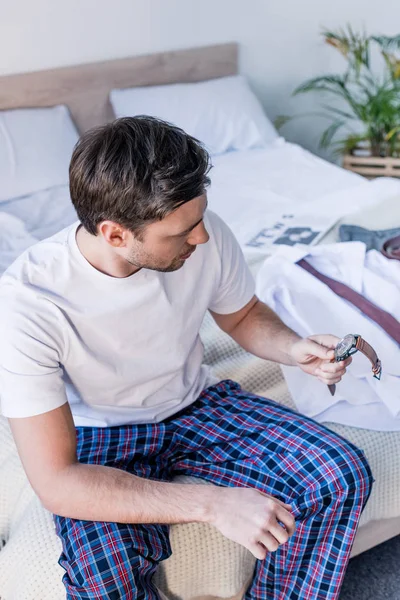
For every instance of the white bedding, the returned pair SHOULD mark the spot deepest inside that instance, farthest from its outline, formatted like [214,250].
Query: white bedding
[252,190]
[43,213]
[285,169]
[14,239]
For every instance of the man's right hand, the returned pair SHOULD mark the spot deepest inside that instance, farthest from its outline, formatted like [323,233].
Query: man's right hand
[250,518]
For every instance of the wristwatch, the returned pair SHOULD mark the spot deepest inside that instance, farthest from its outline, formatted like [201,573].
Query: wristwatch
[351,344]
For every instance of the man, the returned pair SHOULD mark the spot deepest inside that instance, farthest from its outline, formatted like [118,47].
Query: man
[102,380]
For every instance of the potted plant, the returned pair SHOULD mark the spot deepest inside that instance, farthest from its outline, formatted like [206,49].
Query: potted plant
[365,123]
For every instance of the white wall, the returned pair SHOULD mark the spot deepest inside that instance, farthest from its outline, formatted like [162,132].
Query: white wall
[279,39]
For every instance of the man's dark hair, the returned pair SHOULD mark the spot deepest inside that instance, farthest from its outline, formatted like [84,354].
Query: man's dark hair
[134,171]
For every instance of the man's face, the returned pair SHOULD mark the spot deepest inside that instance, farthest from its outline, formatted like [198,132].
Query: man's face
[164,243]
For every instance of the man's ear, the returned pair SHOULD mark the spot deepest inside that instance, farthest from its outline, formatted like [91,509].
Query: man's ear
[114,234]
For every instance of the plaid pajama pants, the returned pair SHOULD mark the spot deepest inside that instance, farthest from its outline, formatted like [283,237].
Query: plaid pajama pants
[231,438]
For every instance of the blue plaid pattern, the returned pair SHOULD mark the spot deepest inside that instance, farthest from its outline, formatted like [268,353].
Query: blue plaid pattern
[231,438]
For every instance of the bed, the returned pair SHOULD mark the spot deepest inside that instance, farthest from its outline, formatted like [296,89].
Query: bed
[204,563]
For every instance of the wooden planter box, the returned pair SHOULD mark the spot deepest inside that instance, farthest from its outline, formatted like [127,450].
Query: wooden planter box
[372,166]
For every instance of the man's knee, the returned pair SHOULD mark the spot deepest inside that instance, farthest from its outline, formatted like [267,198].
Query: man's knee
[366,476]
[352,469]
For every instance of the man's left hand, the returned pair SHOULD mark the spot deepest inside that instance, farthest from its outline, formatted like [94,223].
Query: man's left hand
[314,354]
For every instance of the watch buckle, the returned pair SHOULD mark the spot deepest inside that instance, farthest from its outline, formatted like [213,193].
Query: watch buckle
[377,369]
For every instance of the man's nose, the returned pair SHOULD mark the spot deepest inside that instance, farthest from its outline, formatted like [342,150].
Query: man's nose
[199,235]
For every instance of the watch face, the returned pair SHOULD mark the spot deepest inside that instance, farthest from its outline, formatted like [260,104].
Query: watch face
[345,345]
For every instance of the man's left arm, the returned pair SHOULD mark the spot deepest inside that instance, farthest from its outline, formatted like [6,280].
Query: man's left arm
[260,331]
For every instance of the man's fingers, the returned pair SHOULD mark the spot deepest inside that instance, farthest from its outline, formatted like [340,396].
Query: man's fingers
[335,367]
[280,533]
[329,378]
[269,541]
[287,520]
[330,368]
[257,550]
[313,348]
[330,372]
[284,504]
[325,339]
[273,538]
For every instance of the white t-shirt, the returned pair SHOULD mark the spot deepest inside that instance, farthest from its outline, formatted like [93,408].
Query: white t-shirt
[119,350]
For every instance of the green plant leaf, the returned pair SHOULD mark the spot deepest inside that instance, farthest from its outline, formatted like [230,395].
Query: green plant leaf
[338,111]
[281,120]
[392,132]
[386,42]
[329,133]
[348,144]
[322,83]
[371,98]
[392,63]
[338,40]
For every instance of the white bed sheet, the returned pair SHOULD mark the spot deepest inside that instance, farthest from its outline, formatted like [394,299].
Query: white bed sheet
[285,169]
[249,189]
[29,219]
[43,213]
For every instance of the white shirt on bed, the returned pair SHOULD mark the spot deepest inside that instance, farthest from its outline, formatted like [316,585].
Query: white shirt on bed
[309,307]
[120,350]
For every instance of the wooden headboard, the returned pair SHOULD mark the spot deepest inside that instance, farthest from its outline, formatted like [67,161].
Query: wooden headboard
[85,88]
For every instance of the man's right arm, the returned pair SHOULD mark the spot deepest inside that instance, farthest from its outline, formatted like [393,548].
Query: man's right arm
[47,447]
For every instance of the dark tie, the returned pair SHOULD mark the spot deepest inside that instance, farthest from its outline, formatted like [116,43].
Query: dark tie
[380,316]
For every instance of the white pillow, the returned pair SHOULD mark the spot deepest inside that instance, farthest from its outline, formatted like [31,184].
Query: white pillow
[35,149]
[222,113]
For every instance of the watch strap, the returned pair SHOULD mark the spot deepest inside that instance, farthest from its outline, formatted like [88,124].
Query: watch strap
[372,356]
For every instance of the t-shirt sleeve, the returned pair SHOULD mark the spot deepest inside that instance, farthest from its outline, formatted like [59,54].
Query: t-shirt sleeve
[31,380]
[235,285]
